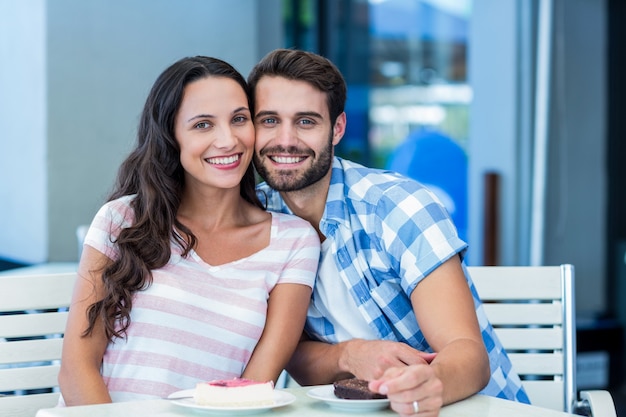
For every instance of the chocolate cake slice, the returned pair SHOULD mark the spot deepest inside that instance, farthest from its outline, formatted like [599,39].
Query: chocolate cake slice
[355,389]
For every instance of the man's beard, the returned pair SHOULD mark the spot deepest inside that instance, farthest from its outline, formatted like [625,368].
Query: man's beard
[286,180]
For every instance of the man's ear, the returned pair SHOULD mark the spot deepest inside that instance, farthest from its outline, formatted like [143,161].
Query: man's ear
[340,128]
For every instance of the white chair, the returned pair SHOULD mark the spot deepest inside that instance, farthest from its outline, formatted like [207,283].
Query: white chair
[33,312]
[533,312]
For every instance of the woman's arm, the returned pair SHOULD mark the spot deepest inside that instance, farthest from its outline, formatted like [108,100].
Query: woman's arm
[80,379]
[286,314]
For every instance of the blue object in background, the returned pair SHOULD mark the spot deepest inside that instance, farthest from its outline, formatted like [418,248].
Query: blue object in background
[439,163]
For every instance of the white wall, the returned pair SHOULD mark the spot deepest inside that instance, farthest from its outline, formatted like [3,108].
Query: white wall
[23,147]
[81,73]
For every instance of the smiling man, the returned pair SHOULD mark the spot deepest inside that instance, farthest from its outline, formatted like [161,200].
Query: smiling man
[393,303]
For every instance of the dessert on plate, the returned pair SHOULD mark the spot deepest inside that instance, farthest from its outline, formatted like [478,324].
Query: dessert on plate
[355,389]
[237,392]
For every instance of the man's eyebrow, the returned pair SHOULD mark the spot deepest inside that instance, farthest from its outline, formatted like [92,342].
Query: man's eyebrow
[312,114]
[309,114]
[266,113]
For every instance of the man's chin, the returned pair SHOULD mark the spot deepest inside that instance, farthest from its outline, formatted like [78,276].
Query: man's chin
[280,181]
[284,187]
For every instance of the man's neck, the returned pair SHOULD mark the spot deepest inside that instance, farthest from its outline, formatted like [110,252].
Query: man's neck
[310,202]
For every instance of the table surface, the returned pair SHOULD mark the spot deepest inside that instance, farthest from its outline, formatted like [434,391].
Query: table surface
[304,406]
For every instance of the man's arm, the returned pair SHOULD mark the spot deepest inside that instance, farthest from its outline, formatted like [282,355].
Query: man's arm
[444,307]
[317,363]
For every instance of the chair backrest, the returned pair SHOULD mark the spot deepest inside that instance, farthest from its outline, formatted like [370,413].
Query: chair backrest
[532,311]
[33,313]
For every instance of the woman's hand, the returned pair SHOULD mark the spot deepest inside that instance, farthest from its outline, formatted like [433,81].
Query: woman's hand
[412,390]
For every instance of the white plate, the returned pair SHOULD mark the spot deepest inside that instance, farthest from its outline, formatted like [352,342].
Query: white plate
[327,394]
[281,398]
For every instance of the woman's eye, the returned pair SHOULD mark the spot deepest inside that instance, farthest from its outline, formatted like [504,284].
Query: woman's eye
[202,125]
[240,119]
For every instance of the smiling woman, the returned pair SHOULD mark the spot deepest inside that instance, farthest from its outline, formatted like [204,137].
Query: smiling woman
[185,277]
[220,140]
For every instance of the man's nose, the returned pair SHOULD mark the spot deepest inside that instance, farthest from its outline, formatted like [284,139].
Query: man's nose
[286,135]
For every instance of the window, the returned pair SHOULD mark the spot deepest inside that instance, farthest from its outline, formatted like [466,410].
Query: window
[405,64]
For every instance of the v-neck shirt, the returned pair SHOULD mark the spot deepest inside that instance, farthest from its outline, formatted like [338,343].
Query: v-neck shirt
[197,322]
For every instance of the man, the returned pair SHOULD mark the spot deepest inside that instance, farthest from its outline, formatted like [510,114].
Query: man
[392,303]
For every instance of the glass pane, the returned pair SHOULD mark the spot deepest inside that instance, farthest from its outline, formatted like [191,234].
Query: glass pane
[419,97]
[405,64]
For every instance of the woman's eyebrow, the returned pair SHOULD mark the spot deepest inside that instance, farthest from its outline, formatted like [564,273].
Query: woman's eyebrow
[201,116]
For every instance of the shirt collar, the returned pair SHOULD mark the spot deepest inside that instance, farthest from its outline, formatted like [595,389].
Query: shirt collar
[336,211]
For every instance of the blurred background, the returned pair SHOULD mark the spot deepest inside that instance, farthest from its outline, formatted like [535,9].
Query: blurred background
[510,110]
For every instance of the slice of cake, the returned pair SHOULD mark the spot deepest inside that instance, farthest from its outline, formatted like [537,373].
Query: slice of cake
[237,392]
[355,389]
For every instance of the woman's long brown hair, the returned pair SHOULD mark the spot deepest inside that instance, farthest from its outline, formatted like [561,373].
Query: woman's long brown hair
[153,173]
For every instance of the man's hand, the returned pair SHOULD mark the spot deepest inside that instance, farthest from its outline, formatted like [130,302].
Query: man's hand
[369,359]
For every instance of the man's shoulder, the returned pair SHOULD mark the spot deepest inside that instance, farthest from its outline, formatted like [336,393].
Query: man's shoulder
[370,184]
[354,172]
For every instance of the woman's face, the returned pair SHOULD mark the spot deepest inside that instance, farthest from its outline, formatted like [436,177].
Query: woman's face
[215,133]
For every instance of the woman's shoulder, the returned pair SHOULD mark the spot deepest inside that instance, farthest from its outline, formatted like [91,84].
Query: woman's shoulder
[119,208]
[289,220]
[123,201]
[289,224]
[294,238]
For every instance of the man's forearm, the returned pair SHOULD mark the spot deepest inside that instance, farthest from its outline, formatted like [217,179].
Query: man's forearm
[463,367]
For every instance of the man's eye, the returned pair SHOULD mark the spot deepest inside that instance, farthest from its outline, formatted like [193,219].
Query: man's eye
[269,121]
[306,122]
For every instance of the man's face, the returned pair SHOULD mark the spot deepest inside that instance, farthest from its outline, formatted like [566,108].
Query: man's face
[294,137]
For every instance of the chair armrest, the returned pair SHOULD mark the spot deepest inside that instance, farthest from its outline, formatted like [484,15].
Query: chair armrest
[598,402]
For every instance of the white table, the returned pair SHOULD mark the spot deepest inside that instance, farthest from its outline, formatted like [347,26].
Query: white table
[476,406]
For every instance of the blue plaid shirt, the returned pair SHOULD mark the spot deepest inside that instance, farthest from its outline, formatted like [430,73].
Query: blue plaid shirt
[388,233]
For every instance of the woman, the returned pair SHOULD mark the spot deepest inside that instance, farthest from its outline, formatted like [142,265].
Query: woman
[184,277]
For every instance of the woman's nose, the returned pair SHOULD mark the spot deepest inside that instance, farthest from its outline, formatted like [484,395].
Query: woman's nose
[225,138]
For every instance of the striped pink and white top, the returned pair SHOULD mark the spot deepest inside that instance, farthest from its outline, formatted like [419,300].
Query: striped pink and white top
[198,322]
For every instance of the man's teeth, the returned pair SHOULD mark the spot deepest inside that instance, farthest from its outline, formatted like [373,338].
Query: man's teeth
[223,161]
[287,159]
